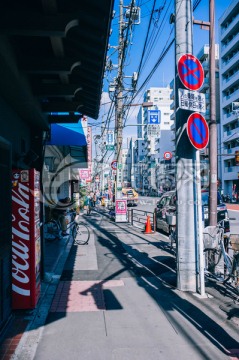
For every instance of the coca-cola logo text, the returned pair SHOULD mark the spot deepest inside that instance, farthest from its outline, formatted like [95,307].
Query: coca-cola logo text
[20,240]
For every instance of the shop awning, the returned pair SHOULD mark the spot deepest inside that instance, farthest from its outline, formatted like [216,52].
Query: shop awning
[67,134]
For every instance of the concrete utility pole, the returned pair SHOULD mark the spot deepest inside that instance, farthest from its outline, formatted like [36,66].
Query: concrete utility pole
[119,101]
[212,122]
[185,162]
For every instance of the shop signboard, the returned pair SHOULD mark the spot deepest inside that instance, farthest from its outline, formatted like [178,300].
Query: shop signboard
[120,210]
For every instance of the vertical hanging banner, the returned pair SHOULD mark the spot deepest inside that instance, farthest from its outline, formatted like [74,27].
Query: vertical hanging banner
[89,148]
[110,140]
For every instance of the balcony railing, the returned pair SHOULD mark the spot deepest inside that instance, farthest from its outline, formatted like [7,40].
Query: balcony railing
[229,169]
[225,31]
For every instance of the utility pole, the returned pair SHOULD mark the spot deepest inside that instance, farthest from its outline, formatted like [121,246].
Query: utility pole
[185,162]
[212,123]
[119,105]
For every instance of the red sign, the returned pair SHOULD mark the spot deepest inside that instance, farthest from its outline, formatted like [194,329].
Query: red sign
[114,165]
[25,239]
[190,71]
[84,174]
[198,131]
[121,207]
[167,155]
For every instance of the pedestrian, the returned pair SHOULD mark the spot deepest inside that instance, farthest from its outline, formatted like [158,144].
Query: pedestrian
[91,204]
[94,199]
[88,204]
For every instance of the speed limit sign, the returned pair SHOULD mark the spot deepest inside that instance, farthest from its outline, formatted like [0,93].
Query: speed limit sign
[114,165]
[167,155]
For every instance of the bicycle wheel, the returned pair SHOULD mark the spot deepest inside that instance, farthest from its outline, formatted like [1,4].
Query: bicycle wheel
[233,275]
[51,231]
[236,271]
[213,257]
[82,234]
[172,237]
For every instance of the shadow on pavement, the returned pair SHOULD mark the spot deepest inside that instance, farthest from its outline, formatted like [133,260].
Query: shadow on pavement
[153,274]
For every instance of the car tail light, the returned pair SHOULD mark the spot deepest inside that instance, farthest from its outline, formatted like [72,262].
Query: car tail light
[222,208]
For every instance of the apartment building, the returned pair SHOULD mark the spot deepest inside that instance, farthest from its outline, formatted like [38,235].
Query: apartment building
[160,97]
[203,57]
[229,94]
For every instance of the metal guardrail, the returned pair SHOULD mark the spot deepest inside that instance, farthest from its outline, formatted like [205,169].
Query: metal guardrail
[138,217]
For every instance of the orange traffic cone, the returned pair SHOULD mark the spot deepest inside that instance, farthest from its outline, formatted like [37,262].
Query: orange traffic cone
[148,229]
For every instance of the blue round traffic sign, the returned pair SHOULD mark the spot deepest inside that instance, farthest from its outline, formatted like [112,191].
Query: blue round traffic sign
[190,71]
[198,131]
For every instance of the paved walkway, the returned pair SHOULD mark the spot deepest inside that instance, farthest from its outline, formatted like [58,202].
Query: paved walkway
[233,207]
[116,299]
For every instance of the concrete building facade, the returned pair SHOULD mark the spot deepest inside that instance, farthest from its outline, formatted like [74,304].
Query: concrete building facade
[160,97]
[229,94]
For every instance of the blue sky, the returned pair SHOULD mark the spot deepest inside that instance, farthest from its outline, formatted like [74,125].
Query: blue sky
[160,25]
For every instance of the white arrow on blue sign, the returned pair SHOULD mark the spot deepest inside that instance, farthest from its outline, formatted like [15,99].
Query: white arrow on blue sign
[154,116]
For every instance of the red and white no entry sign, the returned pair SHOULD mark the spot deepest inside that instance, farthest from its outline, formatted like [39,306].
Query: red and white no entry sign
[190,71]
[167,155]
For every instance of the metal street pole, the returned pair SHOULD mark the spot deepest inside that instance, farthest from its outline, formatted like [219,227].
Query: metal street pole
[212,123]
[185,162]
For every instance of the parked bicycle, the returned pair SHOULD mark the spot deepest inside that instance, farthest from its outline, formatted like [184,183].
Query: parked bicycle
[79,230]
[218,246]
[171,221]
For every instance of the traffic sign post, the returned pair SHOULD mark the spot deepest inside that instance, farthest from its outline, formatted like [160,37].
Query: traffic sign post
[198,131]
[190,72]
[192,100]
[154,117]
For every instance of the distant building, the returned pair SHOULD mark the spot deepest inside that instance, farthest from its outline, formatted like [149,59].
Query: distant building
[229,93]
[139,155]
[160,97]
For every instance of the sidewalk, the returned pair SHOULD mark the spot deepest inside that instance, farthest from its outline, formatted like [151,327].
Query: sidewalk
[233,207]
[21,319]
[116,299]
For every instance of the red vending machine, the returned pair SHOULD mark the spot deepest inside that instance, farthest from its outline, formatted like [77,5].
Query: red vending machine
[26,251]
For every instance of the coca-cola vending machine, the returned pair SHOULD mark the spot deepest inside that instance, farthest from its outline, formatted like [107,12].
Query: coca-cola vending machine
[26,250]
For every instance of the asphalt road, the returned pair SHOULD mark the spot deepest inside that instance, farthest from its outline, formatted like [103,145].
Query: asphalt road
[148,203]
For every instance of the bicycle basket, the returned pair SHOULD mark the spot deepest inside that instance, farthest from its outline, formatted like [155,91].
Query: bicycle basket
[234,240]
[210,237]
[171,219]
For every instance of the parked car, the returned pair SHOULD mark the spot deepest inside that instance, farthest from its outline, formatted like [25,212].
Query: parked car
[222,213]
[167,205]
[131,195]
